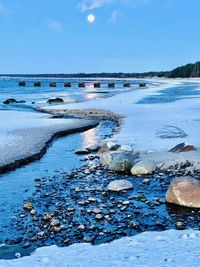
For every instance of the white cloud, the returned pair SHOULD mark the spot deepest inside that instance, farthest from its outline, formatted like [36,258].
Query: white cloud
[4,10]
[86,5]
[115,15]
[93,4]
[54,25]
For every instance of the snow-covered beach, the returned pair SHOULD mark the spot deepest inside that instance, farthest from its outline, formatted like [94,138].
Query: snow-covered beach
[153,120]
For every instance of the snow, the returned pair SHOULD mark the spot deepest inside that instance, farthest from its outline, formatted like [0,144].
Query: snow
[146,124]
[24,134]
[170,248]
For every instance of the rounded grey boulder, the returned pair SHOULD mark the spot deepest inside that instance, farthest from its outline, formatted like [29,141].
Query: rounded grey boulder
[120,185]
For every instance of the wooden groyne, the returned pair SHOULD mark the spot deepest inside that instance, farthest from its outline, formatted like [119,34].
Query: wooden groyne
[96,85]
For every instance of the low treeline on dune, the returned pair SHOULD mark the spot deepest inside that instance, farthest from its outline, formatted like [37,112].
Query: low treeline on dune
[186,71]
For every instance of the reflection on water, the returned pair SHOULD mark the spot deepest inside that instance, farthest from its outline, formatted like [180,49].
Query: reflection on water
[89,138]
[17,185]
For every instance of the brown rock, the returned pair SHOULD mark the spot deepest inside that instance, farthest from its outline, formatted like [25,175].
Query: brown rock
[47,217]
[188,148]
[184,191]
[28,206]
[182,148]
[54,223]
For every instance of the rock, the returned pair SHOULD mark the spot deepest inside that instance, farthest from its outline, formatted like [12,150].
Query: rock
[142,168]
[12,100]
[106,158]
[82,152]
[182,148]
[122,162]
[184,191]
[145,181]
[91,199]
[126,202]
[103,149]
[55,100]
[177,148]
[81,227]
[93,148]
[96,211]
[18,255]
[98,217]
[120,185]
[32,212]
[87,239]
[112,146]
[47,217]
[28,206]
[180,225]
[54,223]
[188,148]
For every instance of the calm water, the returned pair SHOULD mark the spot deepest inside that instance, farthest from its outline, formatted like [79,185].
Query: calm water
[9,88]
[17,185]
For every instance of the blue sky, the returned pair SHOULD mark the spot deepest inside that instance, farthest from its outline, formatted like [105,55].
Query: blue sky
[46,36]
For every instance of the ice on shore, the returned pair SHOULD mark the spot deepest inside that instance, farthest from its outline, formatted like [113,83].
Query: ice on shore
[161,249]
[24,134]
[156,118]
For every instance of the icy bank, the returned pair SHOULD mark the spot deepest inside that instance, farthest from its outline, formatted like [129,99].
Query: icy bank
[24,135]
[165,249]
[155,118]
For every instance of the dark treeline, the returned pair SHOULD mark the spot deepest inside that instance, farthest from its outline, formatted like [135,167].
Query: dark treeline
[186,71]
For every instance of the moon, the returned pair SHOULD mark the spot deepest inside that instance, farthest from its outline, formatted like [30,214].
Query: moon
[91,18]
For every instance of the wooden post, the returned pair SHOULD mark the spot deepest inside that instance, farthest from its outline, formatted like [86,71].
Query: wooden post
[111,85]
[97,85]
[22,84]
[142,85]
[68,84]
[37,84]
[81,85]
[52,84]
[127,85]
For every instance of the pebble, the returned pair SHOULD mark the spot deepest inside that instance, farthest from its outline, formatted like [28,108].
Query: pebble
[18,255]
[32,212]
[126,203]
[91,199]
[180,225]
[98,217]
[47,217]
[28,206]
[81,227]
[54,223]
[96,211]
[87,239]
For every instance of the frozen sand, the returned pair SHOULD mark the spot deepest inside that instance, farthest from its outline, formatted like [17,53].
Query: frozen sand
[25,134]
[165,249]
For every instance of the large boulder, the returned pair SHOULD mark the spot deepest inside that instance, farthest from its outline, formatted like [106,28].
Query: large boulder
[123,161]
[106,152]
[120,185]
[182,148]
[142,168]
[184,191]
[106,158]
